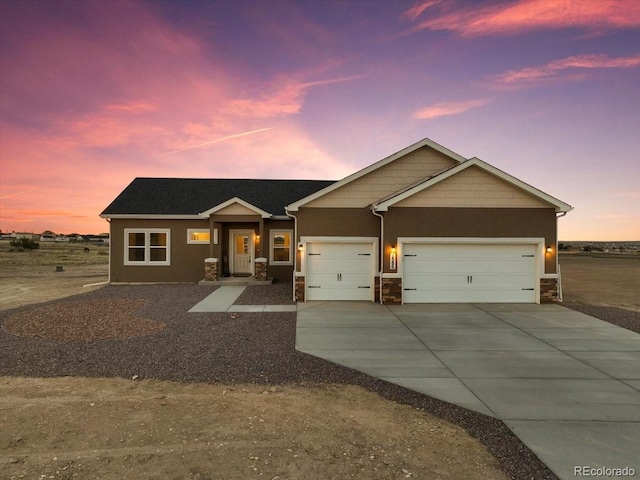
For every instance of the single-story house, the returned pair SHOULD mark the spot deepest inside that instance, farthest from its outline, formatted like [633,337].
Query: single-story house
[422,225]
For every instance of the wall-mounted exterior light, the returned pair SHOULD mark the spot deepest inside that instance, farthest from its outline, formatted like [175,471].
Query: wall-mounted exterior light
[392,258]
[549,249]
[300,247]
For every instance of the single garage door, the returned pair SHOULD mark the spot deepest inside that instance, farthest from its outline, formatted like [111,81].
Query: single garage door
[339,271]
[469,273]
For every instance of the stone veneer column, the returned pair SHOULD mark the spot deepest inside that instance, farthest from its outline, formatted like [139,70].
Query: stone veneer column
[261,269]
[299,289]
[392,290]
[548,290]
[211,269]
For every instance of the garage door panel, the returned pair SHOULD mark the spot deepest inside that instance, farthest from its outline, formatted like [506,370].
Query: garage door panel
[469,273]
[339,271]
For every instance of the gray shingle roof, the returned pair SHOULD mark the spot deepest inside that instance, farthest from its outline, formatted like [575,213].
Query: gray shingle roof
[190,196]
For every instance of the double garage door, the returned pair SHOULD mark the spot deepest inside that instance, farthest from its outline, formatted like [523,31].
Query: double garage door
[468,273]
[431,272]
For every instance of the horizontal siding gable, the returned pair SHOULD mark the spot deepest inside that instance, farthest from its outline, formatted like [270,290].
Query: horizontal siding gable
[386,180]
[235,209]
[473,187]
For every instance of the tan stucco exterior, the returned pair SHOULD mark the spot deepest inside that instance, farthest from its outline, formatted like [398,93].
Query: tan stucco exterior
[384,181]
[186,259]
[473,188]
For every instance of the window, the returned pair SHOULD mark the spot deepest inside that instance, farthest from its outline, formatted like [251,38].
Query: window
[281,247]
[147,246]
[198,235]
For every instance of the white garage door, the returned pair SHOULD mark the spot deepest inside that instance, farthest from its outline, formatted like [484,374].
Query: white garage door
[468,273]
[339,271]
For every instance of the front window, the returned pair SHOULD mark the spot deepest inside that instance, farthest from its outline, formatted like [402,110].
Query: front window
[147,246]
[198,235]
[281,247]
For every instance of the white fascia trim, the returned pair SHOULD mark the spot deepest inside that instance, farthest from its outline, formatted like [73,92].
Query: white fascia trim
[152,216]
[231,201]
[325,239]
[559,205]
[360,173]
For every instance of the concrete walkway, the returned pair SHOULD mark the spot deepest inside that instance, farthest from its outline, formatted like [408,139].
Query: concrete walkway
[566,383]
[223,299]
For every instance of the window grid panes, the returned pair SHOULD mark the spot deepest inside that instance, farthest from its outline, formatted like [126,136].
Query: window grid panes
[281,252]
[147,247]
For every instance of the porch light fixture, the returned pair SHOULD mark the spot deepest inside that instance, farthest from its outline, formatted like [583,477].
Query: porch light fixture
[300,247]
[392,258]
[549,249]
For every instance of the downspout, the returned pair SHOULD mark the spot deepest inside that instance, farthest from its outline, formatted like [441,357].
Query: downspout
[381,250]
[295,257]
[109,272]
[560,299]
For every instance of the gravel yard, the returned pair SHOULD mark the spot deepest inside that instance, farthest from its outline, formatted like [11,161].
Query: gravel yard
[254,348]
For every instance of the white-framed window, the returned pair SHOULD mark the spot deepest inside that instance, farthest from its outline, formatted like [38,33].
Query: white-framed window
[198,235]
[147,246]
[281,251]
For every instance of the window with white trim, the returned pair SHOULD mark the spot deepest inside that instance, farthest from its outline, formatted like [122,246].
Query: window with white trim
[281,251]
[198,235]
[147,246]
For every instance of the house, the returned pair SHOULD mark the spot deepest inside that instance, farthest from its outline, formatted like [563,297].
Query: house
[422,225]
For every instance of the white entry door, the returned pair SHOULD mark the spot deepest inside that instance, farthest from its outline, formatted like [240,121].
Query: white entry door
[458,273]
[241,248]
[339,271]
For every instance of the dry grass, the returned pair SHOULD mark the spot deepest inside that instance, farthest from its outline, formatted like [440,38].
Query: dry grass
[52,253]
[30,276]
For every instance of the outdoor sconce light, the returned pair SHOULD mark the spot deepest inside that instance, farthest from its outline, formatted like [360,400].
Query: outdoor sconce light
[392,258]
[258,238]
[300,247]
[549,249]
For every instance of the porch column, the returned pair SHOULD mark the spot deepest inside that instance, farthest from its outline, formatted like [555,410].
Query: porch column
[211,269]
[261,269]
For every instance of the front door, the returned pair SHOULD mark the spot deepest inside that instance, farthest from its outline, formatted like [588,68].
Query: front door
[241,249]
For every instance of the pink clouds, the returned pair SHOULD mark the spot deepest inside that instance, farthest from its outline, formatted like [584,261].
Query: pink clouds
[282,98]
[557,68]
[444,109]
[476,19]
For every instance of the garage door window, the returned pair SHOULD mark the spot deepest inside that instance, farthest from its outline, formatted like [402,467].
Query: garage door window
[147,246]
[281,247]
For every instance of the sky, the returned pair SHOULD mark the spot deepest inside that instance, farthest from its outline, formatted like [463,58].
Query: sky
[95,93]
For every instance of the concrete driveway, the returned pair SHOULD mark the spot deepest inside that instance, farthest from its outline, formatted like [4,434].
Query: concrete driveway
[567,384]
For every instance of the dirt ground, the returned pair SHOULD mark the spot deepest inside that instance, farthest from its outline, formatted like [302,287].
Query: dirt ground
[601,279]
[112,429]
[68,428]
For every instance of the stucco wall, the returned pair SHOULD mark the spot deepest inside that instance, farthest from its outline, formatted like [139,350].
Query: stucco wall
[187,260]
[472,222]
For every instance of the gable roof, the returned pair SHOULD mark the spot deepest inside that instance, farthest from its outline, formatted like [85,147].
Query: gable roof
[384,204]
[235,201]
[405,151]
[188,197]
